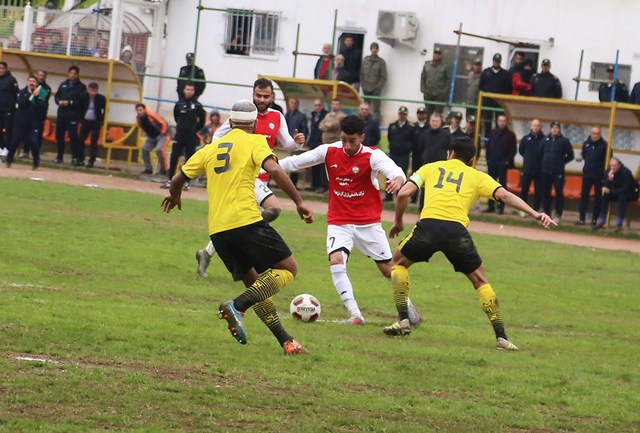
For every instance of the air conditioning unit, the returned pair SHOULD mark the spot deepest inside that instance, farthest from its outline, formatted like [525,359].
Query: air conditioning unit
[397,27]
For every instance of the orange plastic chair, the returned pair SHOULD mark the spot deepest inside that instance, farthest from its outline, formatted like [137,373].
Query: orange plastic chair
[513,180]
[49,131]
[115,133]
[573,187]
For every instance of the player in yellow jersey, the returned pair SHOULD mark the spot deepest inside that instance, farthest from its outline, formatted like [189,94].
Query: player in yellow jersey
[250,248]
[451,188]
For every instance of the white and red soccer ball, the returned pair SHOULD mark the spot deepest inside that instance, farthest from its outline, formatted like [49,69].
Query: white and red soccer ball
[305,307]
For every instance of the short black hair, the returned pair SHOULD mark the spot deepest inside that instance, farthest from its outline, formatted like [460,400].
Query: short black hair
[352,124]
[190,83]
[141,105]
[463,148]
[73,68]
[374,44]
[336,100]
[4,64]
[93,85]
[263,83]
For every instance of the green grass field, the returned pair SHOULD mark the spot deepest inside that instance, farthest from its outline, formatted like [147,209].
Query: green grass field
[103,286]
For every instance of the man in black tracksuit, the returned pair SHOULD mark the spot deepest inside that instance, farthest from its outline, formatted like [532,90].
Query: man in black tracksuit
[432,145]
[399,135]
[531,150]
[8,93]
[618,185]
[45,90]
[594,154]
[72,103]
[494,80]
[556,153]
[32,110]
[92,121]
[189,72]
[190,117]
[501,149]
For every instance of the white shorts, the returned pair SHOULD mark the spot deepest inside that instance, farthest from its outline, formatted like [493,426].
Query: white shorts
[370,239]
[262,191]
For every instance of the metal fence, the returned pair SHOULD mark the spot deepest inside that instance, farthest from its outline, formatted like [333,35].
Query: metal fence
[83,33]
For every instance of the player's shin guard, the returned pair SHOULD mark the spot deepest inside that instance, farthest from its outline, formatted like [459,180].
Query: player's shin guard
[345,289]
[210,249]
[400,284]
[491,308]
[268,284]
[266,311]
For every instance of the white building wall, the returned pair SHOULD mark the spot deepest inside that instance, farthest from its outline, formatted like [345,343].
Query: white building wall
[598,28]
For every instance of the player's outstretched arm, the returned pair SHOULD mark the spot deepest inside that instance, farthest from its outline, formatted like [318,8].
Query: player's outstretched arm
[284,182]
[516,202]
[402,202]
[175,193]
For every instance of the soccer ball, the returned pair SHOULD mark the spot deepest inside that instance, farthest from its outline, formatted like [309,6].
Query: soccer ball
[305,307]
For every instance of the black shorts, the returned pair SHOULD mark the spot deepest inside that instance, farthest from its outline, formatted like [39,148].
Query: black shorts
[256,246]
[452,238]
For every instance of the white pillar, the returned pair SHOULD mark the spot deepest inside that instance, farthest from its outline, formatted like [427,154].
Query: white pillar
[27,28]
[115,37]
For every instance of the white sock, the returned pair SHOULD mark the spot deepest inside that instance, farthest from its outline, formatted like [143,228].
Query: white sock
[345,289]
[210,249]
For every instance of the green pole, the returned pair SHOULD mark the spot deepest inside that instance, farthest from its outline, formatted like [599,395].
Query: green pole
[295,58]
[333,38]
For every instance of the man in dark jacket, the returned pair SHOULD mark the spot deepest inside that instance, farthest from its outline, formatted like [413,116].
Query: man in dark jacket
[604,91]
[545,84]
[319,181]
[92,121]
[352,61]
[501,149]
[32,109]
[594,154]
[634,97]
[619,185]
[188,73]
[432,145]
[72,104]
[399,135]
[531,150]
[190,117]
[8,93]
[419,128]
[371,126]
[296,123]
[556,153]
[45,90]
[494,80]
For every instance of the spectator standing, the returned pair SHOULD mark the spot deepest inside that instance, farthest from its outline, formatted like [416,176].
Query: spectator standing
[126,56]
[473,84]
[206,133]
[419,128]
[352,61]
[371,126]
[531,150]
[339,73]
[619,185]
[190,117]
[518,63]
[434,82]
[605,89]
[8,95]
[156,129]
[319,181]
[634,98]
[399,135]
[521,79]
[373,76]
[493,80]
[501,149]
[556,153]
[71,98]
[330,125]
[13,43]
[322,71]
[190,72]
[30,115]
[91,123]
[435,141]
[545,84]
[45,91]
[454,127]
[594,154]
[296,122]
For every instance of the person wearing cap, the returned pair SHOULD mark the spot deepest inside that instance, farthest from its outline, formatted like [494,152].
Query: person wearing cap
[250,248]
[494,80]
[531,150]
[435,80]
[605,89]
[470,132]
[545,84]
[371,126]
[400,145]
[454,126]
[501,149]
[191,72]
[556,153]
[521,79]
[373,76]
[433,143]
[473,84]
